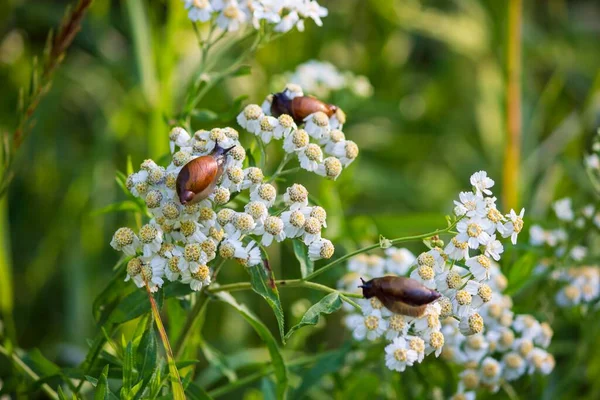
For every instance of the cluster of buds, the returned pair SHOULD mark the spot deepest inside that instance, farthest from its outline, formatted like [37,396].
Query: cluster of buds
[461,273]
[231,15]
[296,119]
[193,220]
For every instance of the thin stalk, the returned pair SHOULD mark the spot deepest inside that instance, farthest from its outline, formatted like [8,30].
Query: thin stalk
[280,168]
[375,246]
[28,371]
[512,151]
[178,392]
[233,287]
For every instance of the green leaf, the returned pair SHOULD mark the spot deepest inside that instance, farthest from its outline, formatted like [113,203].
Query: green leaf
[125,205]
[328,304]
[61,394]
[102,391]
[214,357]
[242,70]
[267,388]
[204,115]
[40,364]
[263,283]
[520,272]
[195,392]
[279,366]
[128,372]
[146,354]
[325,365]
[306,265]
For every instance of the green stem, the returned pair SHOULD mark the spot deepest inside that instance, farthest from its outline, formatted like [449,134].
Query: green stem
[28,371]
[233,287]
[280,168]
[178,392]
[375,246]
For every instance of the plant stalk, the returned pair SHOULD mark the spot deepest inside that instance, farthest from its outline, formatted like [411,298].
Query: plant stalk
[512,151]
[178,392]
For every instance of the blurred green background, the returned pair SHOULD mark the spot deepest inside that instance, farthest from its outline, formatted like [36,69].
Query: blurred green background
[436,116]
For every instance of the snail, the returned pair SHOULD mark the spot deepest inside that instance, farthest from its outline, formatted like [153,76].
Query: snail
[400,295]
[198,178]
[299,107]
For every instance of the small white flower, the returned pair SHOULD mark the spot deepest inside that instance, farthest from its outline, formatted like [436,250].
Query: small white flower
[491,372]
[527,326]
[470,205]
[564,209]
[312,9]
[457,250]
[151,238]
[578,253]
[296,197]
[265,193]
[310,157]
[481,182]
[471,324]
[398,260]
[494,248]
[320,249]
[293,223]
[179,136]
[540,361]
[398,324]
[479,266]
[231,17]
[125,240]
[481,293]
[317,125]
[268,126]
[250,117]
[513,366]
[398,355]
[289,21]
[514,226]
[296,141]
[592,162]
[370,327]
[197,279]
[473,231]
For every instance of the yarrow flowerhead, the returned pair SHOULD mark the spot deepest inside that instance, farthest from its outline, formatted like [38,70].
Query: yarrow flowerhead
[181,240]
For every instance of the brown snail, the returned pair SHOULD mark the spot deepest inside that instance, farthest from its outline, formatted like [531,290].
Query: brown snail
[198,178]
[400,295]
[299,107]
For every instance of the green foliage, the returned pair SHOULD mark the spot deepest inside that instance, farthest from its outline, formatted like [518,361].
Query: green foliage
[327,305]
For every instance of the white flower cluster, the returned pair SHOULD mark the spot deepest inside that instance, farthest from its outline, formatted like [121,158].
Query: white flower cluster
[328,157]
[582,286]
[180,240]
[231,15]
[465,288]
[321,78]
[509,347]
[558,239]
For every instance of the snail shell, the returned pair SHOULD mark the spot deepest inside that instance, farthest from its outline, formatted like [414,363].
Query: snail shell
[198,178]
[299,107]
[400,295]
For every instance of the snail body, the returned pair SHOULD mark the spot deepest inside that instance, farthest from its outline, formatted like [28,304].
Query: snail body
[400,295]
[198,178]
[299,107]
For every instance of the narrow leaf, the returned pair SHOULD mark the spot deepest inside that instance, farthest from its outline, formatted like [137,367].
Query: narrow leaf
[214,357]
[328,304]
[102,391]
[279,366]
[306,265]
[263,283]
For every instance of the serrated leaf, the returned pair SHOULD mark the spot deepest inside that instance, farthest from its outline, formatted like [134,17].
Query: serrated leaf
[277,361]
[306,265]
[102,390]
[327,305]
[263,283]
[214,357]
